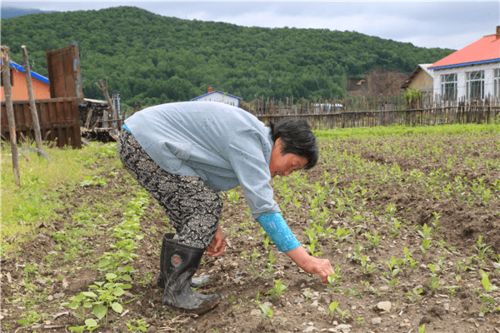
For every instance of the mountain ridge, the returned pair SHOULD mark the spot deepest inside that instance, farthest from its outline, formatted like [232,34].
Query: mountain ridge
[152,58]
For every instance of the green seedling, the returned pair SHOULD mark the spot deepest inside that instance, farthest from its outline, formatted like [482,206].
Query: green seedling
[137,326]
[233,196]
[266,241]
[266,310]
[408,259]
[394,265]
[435,282]
[341,234]
[488,303]
[395,227]
[93,181]
[335,310]
[30,270]
[415,294]
[481,191]
[101,297]
[425,233]
[90,326]
[356,256]
[312,245]
[335,277]
[278,289]
[367,266]
[373,239]
[107,295]
[271,260]
[485,282]
[30,318]
[484,251]
[390,209]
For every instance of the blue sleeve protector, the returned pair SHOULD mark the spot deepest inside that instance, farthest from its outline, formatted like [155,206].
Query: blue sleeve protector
[125,128]
[276,228]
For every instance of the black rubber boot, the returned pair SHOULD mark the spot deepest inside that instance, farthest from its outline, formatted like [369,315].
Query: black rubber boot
[179,264]
[196,281]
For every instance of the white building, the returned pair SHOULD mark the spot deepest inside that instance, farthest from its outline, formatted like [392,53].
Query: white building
[471,73]
[219,96]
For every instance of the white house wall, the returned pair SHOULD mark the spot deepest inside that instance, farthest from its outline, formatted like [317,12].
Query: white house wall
[461,78]
[218,97]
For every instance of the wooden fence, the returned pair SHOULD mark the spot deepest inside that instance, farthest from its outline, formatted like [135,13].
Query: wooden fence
[461,114]
[59,120]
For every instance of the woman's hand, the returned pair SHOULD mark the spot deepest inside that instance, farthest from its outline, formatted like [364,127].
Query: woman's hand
[218,244]
[320,267]
[310,264]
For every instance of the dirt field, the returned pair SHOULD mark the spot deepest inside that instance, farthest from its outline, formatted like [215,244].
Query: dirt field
[410,223]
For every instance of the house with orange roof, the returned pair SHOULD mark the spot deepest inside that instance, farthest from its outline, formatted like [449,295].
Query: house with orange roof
[471,73]
[41,85]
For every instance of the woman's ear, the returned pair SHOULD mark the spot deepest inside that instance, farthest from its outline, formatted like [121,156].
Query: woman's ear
[278,146]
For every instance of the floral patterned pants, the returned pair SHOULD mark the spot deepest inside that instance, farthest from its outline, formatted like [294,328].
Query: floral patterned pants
[193,208]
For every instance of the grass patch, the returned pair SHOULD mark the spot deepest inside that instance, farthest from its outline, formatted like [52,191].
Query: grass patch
[36,200]
[360,132]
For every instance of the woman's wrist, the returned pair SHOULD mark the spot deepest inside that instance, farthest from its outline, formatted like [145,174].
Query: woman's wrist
[300,256]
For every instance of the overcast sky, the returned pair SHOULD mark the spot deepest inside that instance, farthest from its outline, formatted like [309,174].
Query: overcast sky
[448,24]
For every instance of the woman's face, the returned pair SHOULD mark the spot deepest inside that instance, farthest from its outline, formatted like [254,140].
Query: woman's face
[284,164]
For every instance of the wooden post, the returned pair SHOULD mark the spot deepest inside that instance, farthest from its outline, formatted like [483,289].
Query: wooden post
[10,112]
[34,113]
[103,86]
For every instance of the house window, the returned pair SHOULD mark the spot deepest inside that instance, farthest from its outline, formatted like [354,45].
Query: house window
[449,87]
[496,82]
[475,85]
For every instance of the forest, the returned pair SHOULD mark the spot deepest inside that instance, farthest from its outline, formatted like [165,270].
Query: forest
[152,59]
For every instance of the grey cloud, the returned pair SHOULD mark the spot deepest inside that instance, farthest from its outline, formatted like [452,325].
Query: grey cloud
[430,24]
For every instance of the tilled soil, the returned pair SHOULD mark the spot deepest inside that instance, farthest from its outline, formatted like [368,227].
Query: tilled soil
[366,182]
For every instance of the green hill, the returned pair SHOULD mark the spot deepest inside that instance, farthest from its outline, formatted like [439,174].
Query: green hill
[151,59]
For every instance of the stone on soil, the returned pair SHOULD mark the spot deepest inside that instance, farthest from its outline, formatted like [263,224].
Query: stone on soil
[344,328]
[310,329]
[384,306]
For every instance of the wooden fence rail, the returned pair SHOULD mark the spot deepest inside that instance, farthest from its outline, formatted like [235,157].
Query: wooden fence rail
[431,116]
[59,120]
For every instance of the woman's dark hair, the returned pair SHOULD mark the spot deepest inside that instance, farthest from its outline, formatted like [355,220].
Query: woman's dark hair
[297,138]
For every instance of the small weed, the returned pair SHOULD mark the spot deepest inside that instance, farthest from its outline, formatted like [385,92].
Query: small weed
[341,234]
[425,233]
[415,294]
[233,196]
[137,325]
[90,326]
[373,239]
[30,318]
[266,310]
[335,277]
[335,310]
[278,289]
[484,251]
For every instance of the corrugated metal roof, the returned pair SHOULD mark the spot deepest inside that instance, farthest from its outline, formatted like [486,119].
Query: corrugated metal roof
[483,51]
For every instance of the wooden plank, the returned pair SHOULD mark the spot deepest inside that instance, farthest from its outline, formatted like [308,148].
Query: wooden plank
[64,72]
